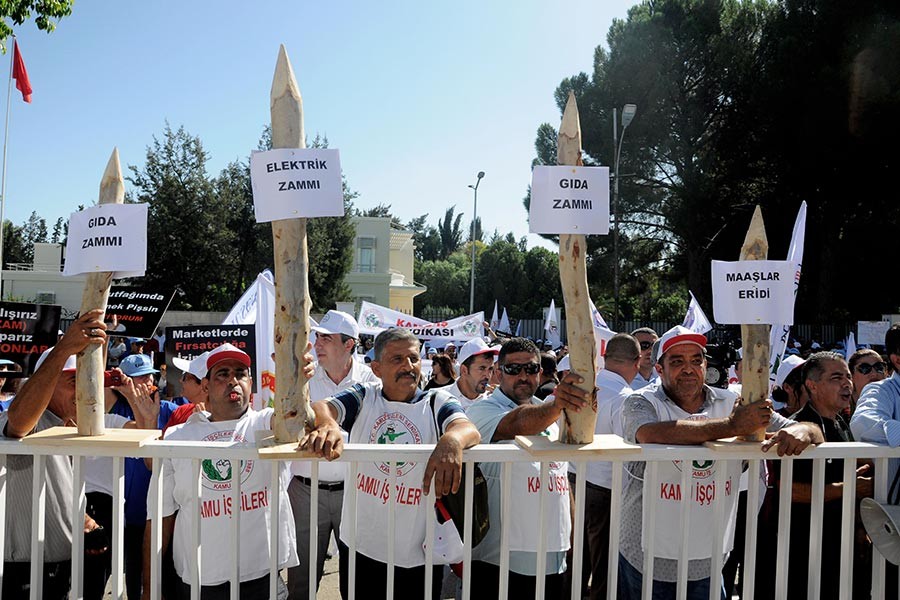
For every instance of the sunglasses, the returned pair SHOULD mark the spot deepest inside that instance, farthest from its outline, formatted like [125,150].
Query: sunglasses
[866,368]
[646,345]
[516,368]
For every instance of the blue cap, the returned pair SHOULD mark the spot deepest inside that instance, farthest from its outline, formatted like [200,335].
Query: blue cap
[135,365]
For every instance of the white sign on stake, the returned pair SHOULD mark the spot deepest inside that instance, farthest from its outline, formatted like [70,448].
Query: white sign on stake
[569,200]
[108,237]
[753,292]
[871,332]
[289,183]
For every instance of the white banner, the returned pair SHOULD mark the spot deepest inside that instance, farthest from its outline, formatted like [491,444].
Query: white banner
[257,305]
[872,332]
[753,292]
[373,319]
[504,323]
[569,200]
[296,182]
[108,237]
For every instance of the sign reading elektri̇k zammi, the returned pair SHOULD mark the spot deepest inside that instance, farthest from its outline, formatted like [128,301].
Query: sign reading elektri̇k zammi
[108,237]
[289,183]
[569,200]
[753,292]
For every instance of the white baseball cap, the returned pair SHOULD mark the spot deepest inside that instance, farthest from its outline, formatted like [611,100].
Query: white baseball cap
[336,321]
[69,366]
[474,347]
[196,367]
[680,335]
[225,352]
[563,364]
[787,367]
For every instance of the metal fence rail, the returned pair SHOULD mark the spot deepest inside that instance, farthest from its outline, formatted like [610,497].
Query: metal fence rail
[508,455]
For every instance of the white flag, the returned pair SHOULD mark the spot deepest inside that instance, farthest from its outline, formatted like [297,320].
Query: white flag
[695,319]
[257,305]
[850,346]
[519,328]
[596,317]
[495,320]
[551,326]
[778,338]
[504,322]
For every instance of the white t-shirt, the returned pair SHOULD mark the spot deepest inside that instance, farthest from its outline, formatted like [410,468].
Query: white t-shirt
[321,387]
[454,391]
[215,509]
[612,390]
[372,419]
[98,469]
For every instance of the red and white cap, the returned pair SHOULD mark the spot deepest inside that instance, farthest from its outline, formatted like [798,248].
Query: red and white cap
[196,366]
[225,352]
[474,347]
[680,335]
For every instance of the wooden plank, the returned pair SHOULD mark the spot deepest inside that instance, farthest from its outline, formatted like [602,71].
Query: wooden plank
[270,449]
[69,436]
[606,444]
[293,414]
[755,338]
[91,362]
[578,427]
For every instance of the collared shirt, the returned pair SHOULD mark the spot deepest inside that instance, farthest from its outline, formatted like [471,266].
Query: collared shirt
[637,411]
[58,512]
[640,381]
[877,416]
[612,390]
[486,414]
[321,386]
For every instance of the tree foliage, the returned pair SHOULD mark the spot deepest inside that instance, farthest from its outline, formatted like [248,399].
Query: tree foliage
[46,13]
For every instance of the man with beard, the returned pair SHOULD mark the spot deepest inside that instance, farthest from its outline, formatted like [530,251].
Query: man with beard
[394,411]
[476,366]
[509,411]
[682,410]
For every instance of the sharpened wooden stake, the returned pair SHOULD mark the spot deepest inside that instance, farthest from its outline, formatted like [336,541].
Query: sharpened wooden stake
[755,338]
[578,428]
[89,402]
[292,302]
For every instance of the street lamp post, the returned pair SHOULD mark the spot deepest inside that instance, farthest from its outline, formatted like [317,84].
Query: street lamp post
[474,216]
[628,112]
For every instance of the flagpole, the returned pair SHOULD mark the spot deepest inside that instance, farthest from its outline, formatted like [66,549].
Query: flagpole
[12,56]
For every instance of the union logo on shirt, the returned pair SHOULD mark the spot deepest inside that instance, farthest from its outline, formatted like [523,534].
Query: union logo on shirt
[702,469]
[216,473]
[395,428]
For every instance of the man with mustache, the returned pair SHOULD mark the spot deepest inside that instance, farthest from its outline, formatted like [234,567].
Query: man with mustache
[227,418]
[476,366]
[509,411]
[394,411]
[829,386]
[681,409]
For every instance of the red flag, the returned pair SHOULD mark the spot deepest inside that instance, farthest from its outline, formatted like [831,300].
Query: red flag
[20,74]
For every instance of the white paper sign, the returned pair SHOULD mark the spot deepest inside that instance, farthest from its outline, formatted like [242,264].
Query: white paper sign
[108,237]
[872,332]
[753,292]
[289,183]
[569,200]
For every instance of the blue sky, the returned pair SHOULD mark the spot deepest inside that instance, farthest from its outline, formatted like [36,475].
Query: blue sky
[417,96]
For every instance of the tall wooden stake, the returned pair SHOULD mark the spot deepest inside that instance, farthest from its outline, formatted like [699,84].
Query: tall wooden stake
[89,403]
[578,428]
[292,411]
[755,338]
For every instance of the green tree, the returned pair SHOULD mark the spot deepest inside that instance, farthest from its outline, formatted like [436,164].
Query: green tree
[46,12]
[189,246]
[447,282]
[60,231]
[13,244]
[34,231]
[450,230]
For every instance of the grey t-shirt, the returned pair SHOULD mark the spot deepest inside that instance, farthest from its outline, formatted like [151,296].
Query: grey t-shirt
[19,501]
